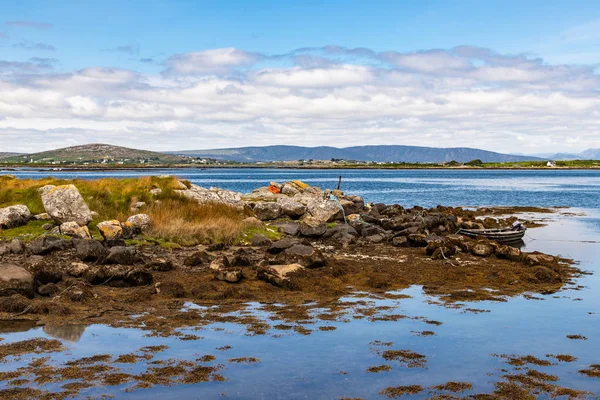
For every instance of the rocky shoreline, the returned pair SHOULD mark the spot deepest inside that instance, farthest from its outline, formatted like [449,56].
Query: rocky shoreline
[328,244]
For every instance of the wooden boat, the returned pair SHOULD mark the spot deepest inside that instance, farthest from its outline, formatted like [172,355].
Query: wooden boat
[503,235]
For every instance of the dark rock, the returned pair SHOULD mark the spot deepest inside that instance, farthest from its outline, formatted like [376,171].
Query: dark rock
[197,258]
[400,241]
[48,226]
[117,275]
[260,240]
[371,230]
[340,230]
[509,253]
[417,240]
[282,244]
[89,250]
[47,244]
[223,271]
[305,255]
[46,271]
[240,259]
[114,243]
[278,275]
[48,289]
[160,264]
[216,247]
[289,228]
[15,280]
[122,255]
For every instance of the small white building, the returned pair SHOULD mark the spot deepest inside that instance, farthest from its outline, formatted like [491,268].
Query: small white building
[551,163]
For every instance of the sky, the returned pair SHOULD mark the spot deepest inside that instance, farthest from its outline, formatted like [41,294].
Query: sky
[507,76]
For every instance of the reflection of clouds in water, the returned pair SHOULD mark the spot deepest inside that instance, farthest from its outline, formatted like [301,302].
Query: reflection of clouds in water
[71,333]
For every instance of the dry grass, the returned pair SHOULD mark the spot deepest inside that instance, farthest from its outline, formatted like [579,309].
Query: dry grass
[174,218]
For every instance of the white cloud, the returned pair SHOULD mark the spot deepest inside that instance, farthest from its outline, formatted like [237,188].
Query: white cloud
[467,96]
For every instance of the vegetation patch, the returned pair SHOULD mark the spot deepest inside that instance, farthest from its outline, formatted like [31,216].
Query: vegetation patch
[393,392]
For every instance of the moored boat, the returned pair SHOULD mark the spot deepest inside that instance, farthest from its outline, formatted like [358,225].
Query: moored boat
[503,235]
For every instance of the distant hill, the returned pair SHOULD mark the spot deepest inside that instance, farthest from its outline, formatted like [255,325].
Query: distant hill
[411,154]
[98,153]
[5,154]
[589,154]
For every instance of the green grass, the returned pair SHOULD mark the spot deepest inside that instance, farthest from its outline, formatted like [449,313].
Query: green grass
[270,232]
[26,233]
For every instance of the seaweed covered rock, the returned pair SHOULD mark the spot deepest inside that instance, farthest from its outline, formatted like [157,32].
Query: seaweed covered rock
[223,271]
[14,216]
[15,280]
[302,254]
[117,275]
[197,258]
[278,275]
[482,249]
[65,204]
[282,244]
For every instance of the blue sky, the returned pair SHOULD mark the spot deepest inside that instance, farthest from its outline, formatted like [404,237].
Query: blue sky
[157,47]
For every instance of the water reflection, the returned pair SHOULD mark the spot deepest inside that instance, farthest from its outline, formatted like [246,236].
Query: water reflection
[70,333]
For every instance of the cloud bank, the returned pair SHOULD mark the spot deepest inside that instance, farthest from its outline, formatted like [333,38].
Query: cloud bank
[228,97]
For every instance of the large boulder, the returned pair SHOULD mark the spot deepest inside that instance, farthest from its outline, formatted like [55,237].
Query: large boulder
[325,210]
[73,229]
[266,210]
[65,203]
[311,226]
[15,280]
[110,230]
[289,228]
[291,208]
[13,216]
[302,254]
[278,275]
[282,244]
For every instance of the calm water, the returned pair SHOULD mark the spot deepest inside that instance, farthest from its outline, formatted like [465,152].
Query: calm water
[308,367]
[427,188]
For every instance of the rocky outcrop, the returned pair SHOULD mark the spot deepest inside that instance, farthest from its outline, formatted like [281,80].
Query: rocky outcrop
[278,275]
[110,230]
[15,280]
[212,195]
[14,216]
[65,204]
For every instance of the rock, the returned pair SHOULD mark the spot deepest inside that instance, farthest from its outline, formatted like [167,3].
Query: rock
[110,230]
[48,227]
[45,189]
[310,226]
[289,228]
[417,240]
[267,210]
[94,214]
[537,258]
[137,205]
[181,185]
[65,204]
[214,195]
[377,238]
[54,231]
[216,246]
[74,230]
[305,255]
[46,271]
[289,190]
[90,250]
[14,216]
[160,264]
[80,293]
[15,246]
[352,217]
[545,275]
[156,191]
[260,240]
[122,255]
[117,275]
[282,244]
[371,230]
[340,230]
[15,280]
[352,204]
[42,217]
[291,208]
[278,275]
[240,259]
[139,223]
[47,290]
[400,241]
[77,269]
[325,210]
[197,258]
[508,252]
[482,249]
[222,270]
[46,244]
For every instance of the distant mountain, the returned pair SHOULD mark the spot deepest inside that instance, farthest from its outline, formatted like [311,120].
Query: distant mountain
[383,153]
[589,154]
[98,153]
[5,154]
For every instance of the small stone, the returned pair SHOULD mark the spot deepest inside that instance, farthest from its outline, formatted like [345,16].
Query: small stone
[160,264]
[156,191]
[282,244]
[42,217]
[73,229]
[482,250]
[48,226]
[13,216]
[138,223]
[110,230]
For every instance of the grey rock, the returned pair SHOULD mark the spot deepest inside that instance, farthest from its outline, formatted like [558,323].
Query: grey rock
[14,216]
[291,208]
[267,210]
[482,250]
[289,228]
[48,226]
[65,204]
[305,255]
[73,229]
[312,227]
[260,240]
[282,244]
[46,271]
[90,250]
[118,275]
[47,290]
[197,258]
[122,255]
[223,271]
[47,244]
[325,210]
[139,223]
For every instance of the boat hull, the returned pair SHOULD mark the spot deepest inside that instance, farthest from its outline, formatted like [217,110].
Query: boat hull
[498,235]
